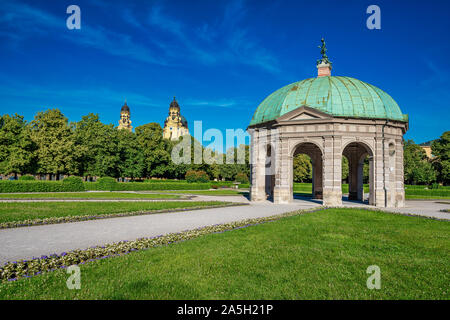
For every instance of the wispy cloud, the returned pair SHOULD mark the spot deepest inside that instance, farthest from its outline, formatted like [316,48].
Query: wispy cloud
[223,40]
[34,21]
[226,40]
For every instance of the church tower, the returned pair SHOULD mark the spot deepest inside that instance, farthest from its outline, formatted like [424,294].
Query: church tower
[125,122]
[175,124]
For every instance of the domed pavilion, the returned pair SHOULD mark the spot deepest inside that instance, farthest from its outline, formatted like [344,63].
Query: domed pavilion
[326,118]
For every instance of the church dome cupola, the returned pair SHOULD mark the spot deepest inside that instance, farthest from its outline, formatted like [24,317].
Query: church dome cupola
[175,124]
[125,107]
[174,104]
[125,122]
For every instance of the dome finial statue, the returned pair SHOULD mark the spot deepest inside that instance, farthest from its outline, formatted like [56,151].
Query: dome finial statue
[323,52]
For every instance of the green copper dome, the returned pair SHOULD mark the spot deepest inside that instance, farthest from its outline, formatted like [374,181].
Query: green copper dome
[336,96]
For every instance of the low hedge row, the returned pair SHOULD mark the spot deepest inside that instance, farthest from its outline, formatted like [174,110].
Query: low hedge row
[40,186]
[140,186]
[431,192]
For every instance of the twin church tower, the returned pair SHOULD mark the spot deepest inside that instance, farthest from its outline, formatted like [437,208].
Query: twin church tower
[175,124]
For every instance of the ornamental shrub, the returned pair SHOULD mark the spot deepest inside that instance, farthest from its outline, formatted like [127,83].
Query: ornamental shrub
[196,176]
[107,184]
[27,178]
[242,178]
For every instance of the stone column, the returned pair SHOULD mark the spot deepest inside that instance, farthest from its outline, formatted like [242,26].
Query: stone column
[257,154]
[283,173]
[399,174]
[332,192]
[380,171]
[371,181]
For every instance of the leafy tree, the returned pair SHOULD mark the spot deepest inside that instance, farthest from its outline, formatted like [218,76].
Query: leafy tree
[131,162]
[302,168]
[154,147]
[417,169]
[440,149]
[98,145]
[16,146]
[55,144]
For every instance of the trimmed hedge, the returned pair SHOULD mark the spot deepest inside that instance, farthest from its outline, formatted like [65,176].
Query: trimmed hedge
[142,186]
[74,183]
[39,186]
[107,183]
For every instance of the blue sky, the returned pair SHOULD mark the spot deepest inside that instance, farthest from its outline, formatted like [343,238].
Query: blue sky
[219,58]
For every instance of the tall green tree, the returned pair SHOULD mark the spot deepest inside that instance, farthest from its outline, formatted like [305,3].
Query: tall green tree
[154,147]
[132,162]
[56,151]
[440,149]
[417,168]
[16,146]
[302,168]
[99,147]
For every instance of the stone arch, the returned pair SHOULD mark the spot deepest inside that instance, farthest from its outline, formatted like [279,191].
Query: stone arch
[356,152]
[298,143]
[315,153]
[365,144]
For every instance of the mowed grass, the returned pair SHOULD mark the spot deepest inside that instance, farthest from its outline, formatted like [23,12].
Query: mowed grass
[87,195]
[10,211]
[321,255]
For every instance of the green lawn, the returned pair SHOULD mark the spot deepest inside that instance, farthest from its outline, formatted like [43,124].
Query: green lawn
[87,195]
[11,211]
[321,255]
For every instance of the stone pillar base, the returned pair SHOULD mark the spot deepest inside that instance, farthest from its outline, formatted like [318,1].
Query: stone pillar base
[332,198]
[400,199]
[282,195]
[257,194]
[380,198]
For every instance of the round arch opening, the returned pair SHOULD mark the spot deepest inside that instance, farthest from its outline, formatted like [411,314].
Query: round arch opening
[359,173]
[307,157]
